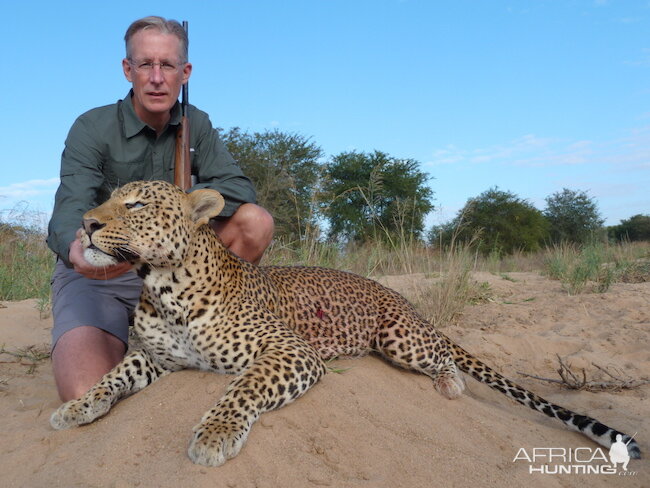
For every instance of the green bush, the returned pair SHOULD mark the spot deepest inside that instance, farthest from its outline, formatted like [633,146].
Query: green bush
[499,222]
[636,228]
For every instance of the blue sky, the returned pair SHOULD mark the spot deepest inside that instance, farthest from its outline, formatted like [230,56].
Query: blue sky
[530,96]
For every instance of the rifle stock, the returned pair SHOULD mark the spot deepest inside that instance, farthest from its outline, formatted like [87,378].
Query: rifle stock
[183,161]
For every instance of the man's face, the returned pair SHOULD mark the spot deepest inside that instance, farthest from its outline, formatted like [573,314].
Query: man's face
[155,90]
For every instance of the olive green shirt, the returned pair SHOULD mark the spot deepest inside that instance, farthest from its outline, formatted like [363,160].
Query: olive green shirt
[110,146]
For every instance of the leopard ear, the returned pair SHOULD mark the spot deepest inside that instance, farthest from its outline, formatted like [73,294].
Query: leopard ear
[205,204]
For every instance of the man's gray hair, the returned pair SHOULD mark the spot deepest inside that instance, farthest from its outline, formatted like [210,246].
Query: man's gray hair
[163,26]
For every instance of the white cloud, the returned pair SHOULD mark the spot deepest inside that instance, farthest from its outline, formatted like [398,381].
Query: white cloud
[629,152]
[615,190]
[520,149]
[29,189]
[641,59]
[449,155]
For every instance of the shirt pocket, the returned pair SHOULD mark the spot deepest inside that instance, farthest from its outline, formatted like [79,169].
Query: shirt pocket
[119,173]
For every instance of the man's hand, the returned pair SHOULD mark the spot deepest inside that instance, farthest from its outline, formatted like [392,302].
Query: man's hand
[83,267]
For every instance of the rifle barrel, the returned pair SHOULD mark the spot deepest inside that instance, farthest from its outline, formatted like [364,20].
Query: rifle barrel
[185,89]
[183,161]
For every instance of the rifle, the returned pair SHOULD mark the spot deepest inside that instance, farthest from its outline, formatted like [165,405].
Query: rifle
[183,162]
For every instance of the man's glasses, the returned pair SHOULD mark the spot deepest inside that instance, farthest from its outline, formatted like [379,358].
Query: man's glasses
[147,66]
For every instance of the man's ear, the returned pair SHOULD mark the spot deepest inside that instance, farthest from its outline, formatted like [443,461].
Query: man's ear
[128,70]
[187,72]
[205,204]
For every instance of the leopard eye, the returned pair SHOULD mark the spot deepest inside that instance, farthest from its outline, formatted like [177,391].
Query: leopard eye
[134,205]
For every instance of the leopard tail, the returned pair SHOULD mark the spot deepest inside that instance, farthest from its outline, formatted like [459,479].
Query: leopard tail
[590,427]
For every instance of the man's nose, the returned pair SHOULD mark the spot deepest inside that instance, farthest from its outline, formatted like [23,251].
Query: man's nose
[156,74]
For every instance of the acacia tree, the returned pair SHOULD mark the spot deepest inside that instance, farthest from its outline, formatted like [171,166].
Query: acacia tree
[497,221]
[285,170]
[573,216]
[374,195]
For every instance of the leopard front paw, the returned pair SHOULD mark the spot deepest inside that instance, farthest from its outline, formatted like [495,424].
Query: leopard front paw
[214,443]
[78,412]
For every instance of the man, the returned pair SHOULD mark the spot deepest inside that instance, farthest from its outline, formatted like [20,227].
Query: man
[107,147]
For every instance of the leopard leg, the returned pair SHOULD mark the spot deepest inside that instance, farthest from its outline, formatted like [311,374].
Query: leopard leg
[280,374]
[137,370]
[414,344]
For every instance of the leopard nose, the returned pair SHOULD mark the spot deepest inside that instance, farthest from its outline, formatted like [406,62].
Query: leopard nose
[91,225]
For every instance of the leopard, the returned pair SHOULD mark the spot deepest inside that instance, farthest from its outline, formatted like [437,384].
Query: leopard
[272,327]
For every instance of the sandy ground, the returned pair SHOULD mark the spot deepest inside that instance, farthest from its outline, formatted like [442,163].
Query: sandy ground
[370,426]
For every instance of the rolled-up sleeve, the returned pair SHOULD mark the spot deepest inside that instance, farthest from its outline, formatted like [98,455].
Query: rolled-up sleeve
[81,177]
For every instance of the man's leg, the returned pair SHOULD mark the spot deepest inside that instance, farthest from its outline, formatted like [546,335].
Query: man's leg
[90,327]
[83,354]
[81,357]
[247,233]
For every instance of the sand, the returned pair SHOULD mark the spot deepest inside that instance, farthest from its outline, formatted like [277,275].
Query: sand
[371,425]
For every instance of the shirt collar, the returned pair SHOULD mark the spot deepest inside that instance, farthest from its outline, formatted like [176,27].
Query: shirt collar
[132,123]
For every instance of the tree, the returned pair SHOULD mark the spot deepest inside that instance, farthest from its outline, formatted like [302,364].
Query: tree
[374,195]
[443,234]
[285,170]
[573,216]
[500,222]
[636,228]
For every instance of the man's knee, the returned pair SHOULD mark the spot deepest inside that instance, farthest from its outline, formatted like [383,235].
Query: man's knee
[255,222]
[81,357]
[248,232]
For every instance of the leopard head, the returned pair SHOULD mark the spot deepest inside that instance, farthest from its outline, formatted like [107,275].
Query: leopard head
[146,221]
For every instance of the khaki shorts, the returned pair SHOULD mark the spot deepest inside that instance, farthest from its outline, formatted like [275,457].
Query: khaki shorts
[105,304]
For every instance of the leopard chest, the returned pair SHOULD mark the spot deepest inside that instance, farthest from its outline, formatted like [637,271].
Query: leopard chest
[187,328]
[163,321]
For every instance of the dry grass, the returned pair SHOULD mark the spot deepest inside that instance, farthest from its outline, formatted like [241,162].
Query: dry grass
[441,300]
[596,266]
[26,263]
